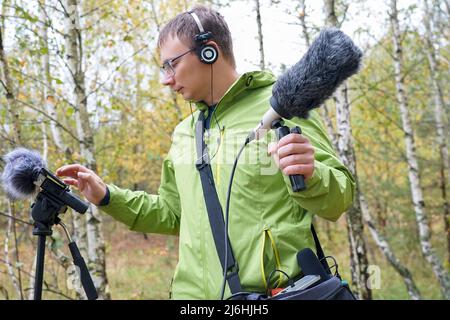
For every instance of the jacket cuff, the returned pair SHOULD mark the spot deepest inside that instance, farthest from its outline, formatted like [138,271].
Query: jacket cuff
[105,200]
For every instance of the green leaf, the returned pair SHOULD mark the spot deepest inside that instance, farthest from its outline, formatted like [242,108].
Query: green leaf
[43,50]
[70,111]
[58,81]
[128,38]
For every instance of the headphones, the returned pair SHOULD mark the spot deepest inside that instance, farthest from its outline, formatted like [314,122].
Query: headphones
[206,53]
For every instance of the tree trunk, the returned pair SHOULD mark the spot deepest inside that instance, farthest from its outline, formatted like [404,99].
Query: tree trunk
[11,106]
[96,245]
[49,100]
[381,242]
[441,130]
[413,167]
[9,266]
[358,252]
[262,63]
[301,17]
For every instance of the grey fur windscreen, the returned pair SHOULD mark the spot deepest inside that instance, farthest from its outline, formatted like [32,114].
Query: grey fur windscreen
[331,59]
[21,170]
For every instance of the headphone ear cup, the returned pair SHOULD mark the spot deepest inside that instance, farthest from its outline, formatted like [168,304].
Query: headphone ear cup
[208,54]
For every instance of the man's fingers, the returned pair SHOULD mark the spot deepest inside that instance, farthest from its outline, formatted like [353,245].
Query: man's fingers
[71,170]
[87,176]
[294,148]
[304,169]
[292,138]
[71,182]
[81,181]
[294,159]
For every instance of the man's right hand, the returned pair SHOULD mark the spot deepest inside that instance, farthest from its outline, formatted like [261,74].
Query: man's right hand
[85,180]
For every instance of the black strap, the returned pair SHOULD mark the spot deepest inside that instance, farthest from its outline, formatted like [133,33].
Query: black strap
[319,251]
[214,208]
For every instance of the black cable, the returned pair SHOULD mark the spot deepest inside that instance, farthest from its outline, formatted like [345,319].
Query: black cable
[241,293]
[290,281]
[336,272]
[227,211]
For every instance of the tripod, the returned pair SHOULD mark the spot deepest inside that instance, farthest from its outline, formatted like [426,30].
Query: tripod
[45,211]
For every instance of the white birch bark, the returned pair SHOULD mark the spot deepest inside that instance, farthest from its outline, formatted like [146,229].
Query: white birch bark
[49,100]
[358,252]
[441,128]
[6,82]
[385,248]
[9,265]
[413,167]
[96,245]
[262,63]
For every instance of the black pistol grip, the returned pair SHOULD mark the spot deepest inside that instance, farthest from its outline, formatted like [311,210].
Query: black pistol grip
[297,180]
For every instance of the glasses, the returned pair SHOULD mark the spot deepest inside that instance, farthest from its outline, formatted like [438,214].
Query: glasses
[168,69]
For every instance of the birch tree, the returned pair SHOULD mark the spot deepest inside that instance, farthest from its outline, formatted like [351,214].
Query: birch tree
[262,63]
[7,83]
[439,113]
[74,47]
[413,167]
[358,252]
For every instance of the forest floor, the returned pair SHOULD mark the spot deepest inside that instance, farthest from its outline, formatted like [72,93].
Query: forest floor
[141,267]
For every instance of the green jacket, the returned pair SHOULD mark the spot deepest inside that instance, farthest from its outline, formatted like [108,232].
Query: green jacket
[268,223]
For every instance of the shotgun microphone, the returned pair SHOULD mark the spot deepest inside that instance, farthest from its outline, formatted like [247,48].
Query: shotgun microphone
[331,59]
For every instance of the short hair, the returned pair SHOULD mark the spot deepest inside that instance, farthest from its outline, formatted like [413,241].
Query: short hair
[183,26]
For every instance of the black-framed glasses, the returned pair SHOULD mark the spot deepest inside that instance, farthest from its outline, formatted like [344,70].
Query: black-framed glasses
[167,70]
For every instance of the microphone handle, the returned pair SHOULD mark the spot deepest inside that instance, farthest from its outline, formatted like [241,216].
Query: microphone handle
[297,180]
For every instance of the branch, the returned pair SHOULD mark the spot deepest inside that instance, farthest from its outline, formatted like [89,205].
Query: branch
[53,91]
[49,117]
[48,287]
[96,8]
[115,69]
[16,219]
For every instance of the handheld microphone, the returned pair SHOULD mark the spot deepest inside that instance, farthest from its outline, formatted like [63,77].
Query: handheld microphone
[310,264]
[25,174]
[331,59]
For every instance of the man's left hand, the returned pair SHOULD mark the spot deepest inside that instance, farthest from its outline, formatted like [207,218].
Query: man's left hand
[293,154]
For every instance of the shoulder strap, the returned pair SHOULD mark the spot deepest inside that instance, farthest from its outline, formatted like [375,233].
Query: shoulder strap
[319,250]
[214,208]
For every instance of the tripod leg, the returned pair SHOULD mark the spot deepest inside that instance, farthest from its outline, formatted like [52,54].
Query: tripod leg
[39,268]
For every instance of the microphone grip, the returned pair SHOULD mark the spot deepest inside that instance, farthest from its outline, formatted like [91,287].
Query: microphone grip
[297,180]
[86,280]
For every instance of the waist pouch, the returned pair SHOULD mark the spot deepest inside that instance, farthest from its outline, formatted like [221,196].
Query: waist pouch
[331,289]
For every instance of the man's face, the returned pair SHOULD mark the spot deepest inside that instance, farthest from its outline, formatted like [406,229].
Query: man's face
[190,77]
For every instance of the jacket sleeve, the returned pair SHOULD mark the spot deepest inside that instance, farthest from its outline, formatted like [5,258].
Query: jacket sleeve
[146,212]
[331,189]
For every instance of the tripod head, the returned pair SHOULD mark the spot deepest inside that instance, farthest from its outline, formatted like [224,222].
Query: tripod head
[53,199]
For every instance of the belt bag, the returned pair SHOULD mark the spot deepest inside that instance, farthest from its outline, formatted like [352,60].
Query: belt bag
[332,288]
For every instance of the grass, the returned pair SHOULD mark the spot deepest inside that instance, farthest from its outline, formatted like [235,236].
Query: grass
[139,268]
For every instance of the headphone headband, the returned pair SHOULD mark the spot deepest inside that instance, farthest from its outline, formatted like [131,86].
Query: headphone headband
[197,21]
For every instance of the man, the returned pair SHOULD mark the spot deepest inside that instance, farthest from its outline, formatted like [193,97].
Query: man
[268,223]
